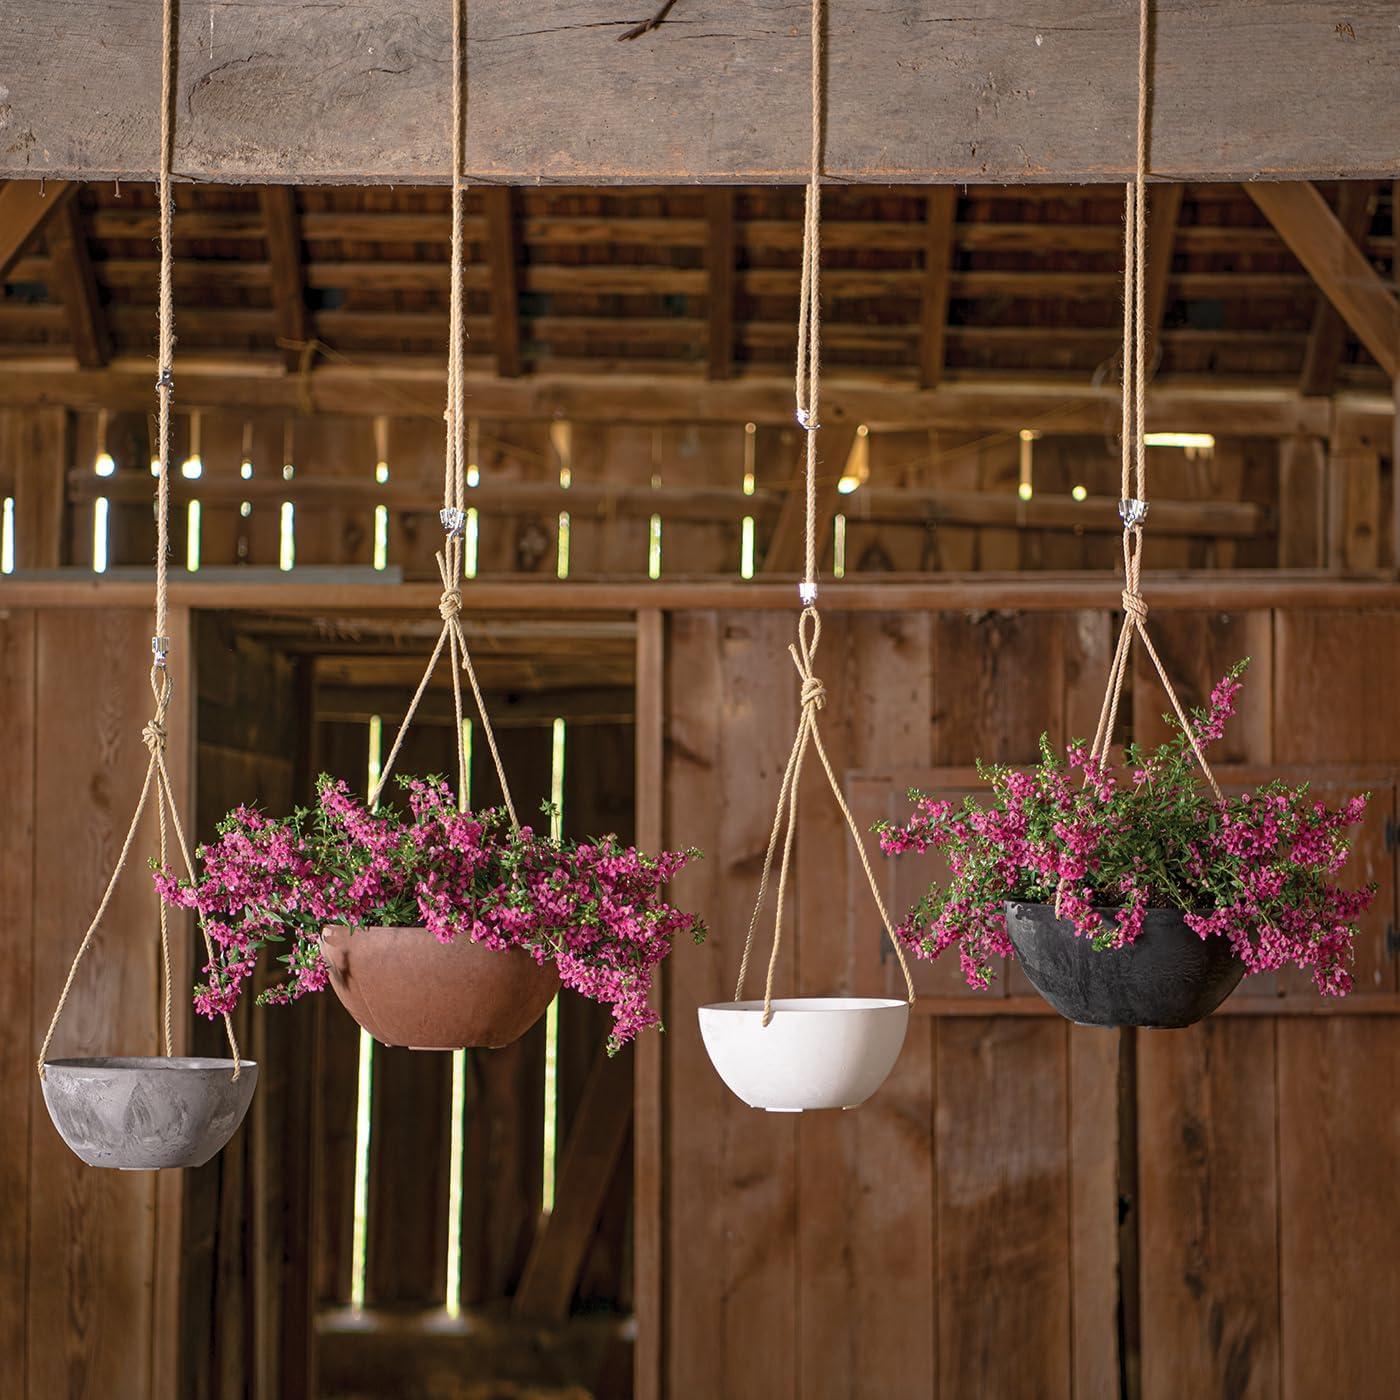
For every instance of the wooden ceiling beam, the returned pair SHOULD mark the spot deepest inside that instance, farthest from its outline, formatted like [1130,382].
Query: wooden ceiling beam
[1320,242]
[719,293]
[1327,339]
[502,260]
[292,94]
[282,230]
[413,387]
[940,214]
[25,205]
[76,285]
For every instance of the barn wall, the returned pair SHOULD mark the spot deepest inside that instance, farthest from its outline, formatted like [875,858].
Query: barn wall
[88,1259]
[959,1235]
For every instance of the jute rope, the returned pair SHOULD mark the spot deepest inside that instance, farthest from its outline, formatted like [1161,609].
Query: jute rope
[809,627]
[1133,505]
[153,734]
[454,514]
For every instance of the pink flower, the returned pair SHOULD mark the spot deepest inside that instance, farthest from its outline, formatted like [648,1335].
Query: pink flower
[1257,869]
[595,909]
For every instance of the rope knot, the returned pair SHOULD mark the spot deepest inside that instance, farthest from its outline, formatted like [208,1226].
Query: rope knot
[153,736]
[450,604]
[813,691]
[1135,605]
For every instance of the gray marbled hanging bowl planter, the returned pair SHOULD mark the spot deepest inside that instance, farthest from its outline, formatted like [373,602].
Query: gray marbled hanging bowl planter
[145,1112]
[1168,978]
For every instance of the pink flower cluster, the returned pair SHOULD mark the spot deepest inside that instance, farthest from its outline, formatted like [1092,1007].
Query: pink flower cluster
[1258,870]
[595,909]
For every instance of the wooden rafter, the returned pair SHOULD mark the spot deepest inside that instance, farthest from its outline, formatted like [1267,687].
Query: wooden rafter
[290,93]
[586,1168]
[719,268]
[1319,241]
[1163,211]
[1327,338]
[504,271]
[25,205]
[76,284]
[282,230]
[785,546]
[941,212]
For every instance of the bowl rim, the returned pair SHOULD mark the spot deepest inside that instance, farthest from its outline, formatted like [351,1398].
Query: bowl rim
[838,1006]
[146,1064]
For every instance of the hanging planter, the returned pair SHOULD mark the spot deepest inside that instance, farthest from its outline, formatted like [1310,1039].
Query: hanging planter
[814,1052]
[406,988]
[147,1112]
[1138,899]
[790,1055]
[438,928]
[1100,886]
[1168,977]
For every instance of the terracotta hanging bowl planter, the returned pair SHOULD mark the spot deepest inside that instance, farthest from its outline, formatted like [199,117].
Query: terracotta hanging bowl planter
[147,1112]
[406,988]
[1168,978]
[816,1052]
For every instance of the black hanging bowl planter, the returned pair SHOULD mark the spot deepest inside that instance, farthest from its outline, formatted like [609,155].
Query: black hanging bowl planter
[1170,977]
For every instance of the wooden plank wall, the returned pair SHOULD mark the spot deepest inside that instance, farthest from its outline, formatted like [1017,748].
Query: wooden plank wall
[932,501]
[959,1235]
[88,1260]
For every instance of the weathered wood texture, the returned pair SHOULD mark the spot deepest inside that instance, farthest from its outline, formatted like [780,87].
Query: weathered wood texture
[1001,92]
[89,1256]
[959,1235]
[930,501]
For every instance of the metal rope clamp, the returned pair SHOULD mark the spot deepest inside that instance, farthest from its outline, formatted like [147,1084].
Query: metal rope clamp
[1132,512]
[454,521]
[160,649]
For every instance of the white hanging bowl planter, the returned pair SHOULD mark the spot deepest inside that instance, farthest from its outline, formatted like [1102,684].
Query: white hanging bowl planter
[816,1052]
[145,1112]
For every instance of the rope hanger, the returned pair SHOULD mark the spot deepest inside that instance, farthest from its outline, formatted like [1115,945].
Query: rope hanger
[807,389]
[454,513]
[153,735]
[1133,504]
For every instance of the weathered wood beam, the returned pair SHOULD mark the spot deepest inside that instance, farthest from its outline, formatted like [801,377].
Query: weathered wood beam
[413,388]
[503,264]
[1230,590]
[294,94]
[76,285]
[1163,211]
[785,552]
[25,205]
[1328,337]
[940,213]
[1320,242]
[556,1256]
[719,294]
[282,230]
